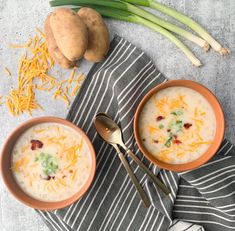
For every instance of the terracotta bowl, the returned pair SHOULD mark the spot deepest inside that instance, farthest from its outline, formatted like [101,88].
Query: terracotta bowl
[220,125]
[5,163]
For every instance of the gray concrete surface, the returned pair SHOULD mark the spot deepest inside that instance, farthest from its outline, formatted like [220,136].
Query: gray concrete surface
[18,20]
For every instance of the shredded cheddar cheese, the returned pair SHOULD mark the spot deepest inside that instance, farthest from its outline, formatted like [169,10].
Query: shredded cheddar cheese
[198,121]
[20,163]
[79,147]
[178,103]
[152,129]
[74,175]
[24,148]
[33,74]
[71,154]
[39,131]
[195,112]
[165,106]
[62,182]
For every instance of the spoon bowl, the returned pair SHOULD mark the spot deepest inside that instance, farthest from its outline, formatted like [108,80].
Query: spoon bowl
[107,129]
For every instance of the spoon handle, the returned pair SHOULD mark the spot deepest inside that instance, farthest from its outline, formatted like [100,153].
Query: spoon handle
[156,181]
[136,183]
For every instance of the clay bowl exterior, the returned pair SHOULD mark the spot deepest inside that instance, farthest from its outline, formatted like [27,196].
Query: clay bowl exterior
[5,164]
[220,125]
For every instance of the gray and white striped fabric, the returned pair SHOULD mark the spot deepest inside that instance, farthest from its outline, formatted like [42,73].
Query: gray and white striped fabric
[205,196]
[178,225]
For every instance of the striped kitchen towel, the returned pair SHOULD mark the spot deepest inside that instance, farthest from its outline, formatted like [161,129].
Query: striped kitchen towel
[205,196]
[178,225]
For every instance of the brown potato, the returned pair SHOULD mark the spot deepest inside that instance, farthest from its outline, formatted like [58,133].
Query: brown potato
[70,33]
[98,34]
[53,48]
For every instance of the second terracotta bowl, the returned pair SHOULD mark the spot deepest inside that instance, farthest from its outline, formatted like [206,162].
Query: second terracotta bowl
[220,125]
[5,166]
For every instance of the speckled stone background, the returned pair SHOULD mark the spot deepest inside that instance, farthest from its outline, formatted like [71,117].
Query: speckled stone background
[18,20]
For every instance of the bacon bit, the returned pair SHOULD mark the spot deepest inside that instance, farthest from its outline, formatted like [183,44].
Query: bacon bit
[155,141]
[71,171]
[48,177]
[177,142]
[175,136]
[36,144]
[159,118]
[63,176]
[168,130]
[187,125]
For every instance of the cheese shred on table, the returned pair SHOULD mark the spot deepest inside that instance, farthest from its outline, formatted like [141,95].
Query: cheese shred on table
[33,74]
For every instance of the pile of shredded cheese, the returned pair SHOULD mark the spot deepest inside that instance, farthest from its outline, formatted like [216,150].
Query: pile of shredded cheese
[33,75]
[191,138]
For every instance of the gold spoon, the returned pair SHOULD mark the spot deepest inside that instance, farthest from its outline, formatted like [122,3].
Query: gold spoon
[105,133]
[112,134]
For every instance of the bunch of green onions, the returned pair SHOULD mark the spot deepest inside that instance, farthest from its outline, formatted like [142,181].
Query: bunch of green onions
[127,10]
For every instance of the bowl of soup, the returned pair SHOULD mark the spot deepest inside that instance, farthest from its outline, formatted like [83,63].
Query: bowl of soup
[179,125]
[48,163]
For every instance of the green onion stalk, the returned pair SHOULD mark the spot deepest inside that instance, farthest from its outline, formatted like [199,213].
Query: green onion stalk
[185,20]
[129,17]
[142,13]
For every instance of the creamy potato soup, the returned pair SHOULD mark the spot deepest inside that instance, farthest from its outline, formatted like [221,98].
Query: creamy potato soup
[51,162]
[177,125]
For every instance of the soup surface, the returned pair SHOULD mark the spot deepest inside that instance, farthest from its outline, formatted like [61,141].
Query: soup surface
[177,125]
[51,162]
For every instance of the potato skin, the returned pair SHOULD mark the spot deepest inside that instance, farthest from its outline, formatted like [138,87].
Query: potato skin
[98,34]
[53,48]
[70,33]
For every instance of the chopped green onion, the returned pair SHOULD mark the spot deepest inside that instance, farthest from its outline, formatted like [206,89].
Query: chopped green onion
[179,125]
[178,122]
[161,126]
[177,113]
[179,130]
[48,162]
[170,124]
[168,142]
